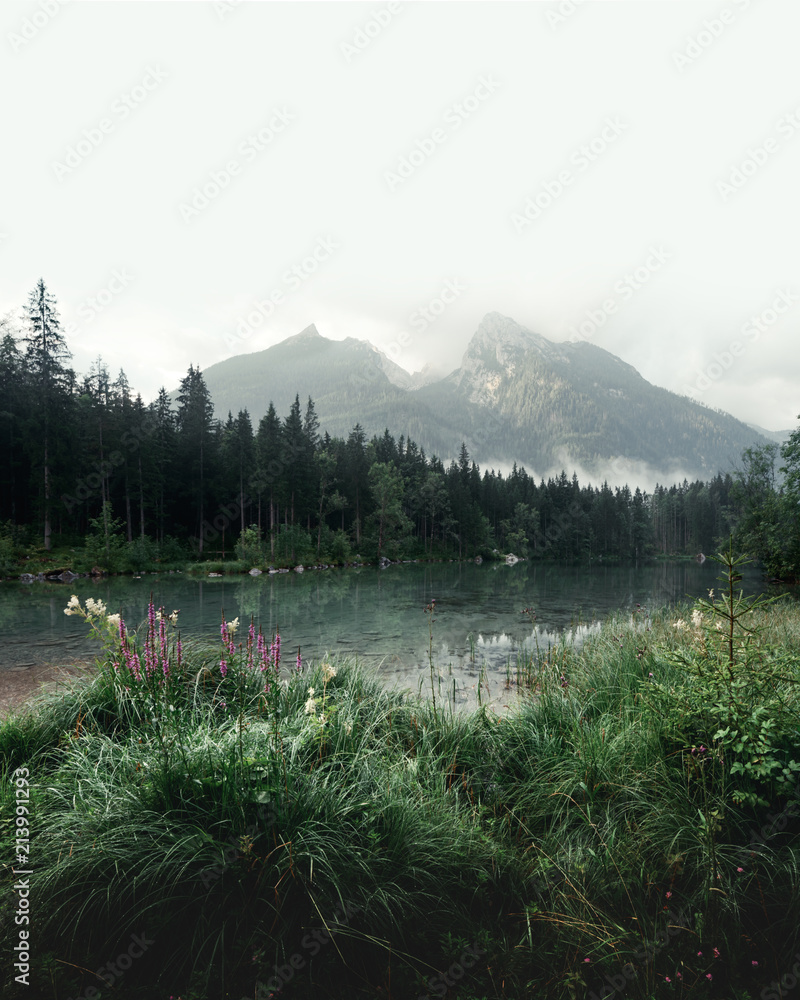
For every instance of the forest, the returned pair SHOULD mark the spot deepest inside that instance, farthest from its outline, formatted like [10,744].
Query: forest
[84,461]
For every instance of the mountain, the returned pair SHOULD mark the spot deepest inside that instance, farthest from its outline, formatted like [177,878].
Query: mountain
[779,437]
[349,380]
[516,397]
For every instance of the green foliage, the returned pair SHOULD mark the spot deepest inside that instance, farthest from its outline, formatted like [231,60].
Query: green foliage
[736,697]
[294,545]
[250,547]
[12,548]
[338,547]
[172,469]
[105,544]
[229,814]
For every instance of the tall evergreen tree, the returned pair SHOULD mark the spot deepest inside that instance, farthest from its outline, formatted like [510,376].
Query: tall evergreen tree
[46,359]
[195,443]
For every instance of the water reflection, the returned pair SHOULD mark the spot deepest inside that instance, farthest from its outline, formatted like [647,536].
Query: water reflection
[375,615]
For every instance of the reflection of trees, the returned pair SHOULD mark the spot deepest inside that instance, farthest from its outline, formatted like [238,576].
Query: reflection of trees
[375,612]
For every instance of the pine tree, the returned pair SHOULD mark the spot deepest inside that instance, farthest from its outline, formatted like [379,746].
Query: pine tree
[46,360]
[195,442]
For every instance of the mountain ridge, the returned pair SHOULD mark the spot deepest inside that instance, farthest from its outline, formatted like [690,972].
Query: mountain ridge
[515,397]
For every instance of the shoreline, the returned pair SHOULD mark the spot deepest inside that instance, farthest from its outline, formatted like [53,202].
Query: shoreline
[19,685]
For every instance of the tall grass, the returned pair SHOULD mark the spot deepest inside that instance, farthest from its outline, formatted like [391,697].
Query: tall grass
[377,841]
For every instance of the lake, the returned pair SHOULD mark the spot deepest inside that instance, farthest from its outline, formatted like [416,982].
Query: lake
[376,615]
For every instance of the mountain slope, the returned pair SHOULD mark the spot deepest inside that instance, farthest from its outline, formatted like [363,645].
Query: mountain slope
[349,380]
[516,397]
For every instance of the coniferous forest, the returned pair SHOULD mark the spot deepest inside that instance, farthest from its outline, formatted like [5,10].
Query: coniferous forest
[84,461]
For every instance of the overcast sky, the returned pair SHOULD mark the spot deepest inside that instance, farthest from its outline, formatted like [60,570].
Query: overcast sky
[624,173]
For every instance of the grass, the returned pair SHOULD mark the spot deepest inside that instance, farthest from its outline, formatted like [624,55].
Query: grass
[576,848]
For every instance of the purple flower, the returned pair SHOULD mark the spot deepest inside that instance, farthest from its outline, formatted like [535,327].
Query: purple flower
[223,667]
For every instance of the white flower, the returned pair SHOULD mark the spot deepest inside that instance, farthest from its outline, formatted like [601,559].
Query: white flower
[174,618]
[348,729]
[94,607]
[328,672]
[311,692]
[113,621]
[232,626]
[322,720]
[680,624]
[697,618]
[73,607]
[311,707]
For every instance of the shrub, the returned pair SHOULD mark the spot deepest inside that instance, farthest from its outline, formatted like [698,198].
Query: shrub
[249,546]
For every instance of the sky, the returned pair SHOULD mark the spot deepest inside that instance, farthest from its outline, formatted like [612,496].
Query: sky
[195,180]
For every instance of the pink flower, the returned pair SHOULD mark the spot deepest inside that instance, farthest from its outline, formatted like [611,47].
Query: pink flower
[709,976]
[740,869]
[716,953]
[223,667]
[669,894]
[754,962]
[667,979]
[699,954]
[589,960]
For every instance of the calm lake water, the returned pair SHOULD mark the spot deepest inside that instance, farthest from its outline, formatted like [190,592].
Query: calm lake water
[375,615]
